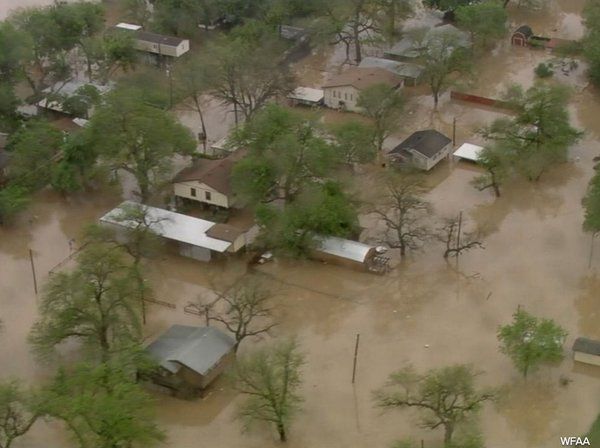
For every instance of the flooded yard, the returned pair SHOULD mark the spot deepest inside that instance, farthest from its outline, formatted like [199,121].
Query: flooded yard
[425,312]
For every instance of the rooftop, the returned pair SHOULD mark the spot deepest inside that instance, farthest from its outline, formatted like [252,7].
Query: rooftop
[161,39]
[363,77]
[469,151]
[171,225]
[585,345]
[197,348]
[306,94]
[224,232]
[403,69]
[428,142]
[214,173]
[351,250]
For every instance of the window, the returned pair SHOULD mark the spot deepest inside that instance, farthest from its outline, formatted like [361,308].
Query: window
[207,195]
[193,192]
[351,97]
[346,96]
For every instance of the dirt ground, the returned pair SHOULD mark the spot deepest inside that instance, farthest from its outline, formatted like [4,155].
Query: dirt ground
[424,312]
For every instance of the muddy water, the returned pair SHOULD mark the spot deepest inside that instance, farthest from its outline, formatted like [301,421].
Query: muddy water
[423,312]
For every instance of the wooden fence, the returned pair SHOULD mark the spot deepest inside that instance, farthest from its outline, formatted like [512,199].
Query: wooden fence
[480,100]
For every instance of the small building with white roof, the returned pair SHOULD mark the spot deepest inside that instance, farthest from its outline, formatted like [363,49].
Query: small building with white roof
[349,253]
[468,151]
[195,238]
[306,96]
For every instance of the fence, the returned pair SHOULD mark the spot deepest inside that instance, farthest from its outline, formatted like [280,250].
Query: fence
[161,303]
[481,100]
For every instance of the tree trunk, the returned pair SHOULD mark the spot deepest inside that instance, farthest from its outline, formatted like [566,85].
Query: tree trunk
[506,2]
[436,99]
[448,431]
[281,432]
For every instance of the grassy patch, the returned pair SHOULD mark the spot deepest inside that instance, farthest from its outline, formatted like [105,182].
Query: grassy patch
[594,434]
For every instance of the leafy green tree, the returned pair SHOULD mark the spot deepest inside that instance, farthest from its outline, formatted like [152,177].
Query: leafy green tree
[591,204]
[13,199]
[77,167]
[107,53]
[102,407]
[485,21]
[389,14]
[320,210]
[137,11]
[247,70]
[96,304]
[9,120]
[530,341]
[540,135]
[354,141]
[495,160]
[447,5]
[444,55]
[591,41]
[32,147]
[286,154]
[18,412]
[447,397]
[15,52]
[81,102]
[138,138]
[270,379]
[384,105]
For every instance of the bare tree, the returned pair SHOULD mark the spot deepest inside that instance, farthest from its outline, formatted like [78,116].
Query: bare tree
[246,312]
[456,239]
[404,213]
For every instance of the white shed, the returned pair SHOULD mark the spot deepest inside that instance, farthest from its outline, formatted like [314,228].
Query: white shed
[307,96]
[468,151]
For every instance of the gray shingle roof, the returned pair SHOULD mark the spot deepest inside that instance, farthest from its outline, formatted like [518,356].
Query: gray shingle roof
[197,348]
[428,142]
[585,345]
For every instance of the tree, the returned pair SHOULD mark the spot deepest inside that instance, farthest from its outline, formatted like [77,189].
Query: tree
[139,241]
[540,135]
[390,13]
[456,239]
[17,412]
[530,341]
[591,41]
[447,397]
[247,69]
[77,167]
[354,141]
[137,11]
[384,105]
[270,378]
[13,199]
[591,204]
[285,155]
[138,138]
[107,53]
[444,54]
[193,79]
[246,311]
[32,147]
[15,52]
[486,21]
[404,212]
[102,406]
[96,304]
[493,158]
[447,5]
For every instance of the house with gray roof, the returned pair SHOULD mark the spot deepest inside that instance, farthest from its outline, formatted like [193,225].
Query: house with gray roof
[415,42]
[422,149]
[190,358]
[409,72]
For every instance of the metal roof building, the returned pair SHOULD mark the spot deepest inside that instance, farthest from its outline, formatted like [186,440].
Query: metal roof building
[189,232]
[307,96]
[339,247]
[468,151]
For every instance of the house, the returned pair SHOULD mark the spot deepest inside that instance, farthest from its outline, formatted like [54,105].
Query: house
[306,96]
[413,44]
[348,253]
[193,237]
[55,96]
[521,36]
[423,149]
[342,91]
[208,181]
[155,44]
[587,351]
[190,358]
[410,73]
[468,151]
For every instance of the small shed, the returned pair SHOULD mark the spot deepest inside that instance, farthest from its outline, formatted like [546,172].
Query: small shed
[190,358]
[422,149]
[306,96]
[521,36]
[468,151]
[587,351]
[190,234]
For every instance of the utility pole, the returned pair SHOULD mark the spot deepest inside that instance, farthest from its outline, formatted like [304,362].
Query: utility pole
[35,288]
[454,132]
[355,358]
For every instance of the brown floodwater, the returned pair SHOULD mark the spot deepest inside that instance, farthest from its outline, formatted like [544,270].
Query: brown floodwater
[424,312]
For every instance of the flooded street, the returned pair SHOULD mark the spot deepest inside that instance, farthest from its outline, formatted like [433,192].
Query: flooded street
[425,311]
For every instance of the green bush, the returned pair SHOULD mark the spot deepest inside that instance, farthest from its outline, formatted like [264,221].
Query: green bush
[544,70]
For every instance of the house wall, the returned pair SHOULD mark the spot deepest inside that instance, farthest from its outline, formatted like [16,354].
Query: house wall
[218,369]
[339,261]
[587,358]
[439,157]
[343,96]
[184,190]
[238,243]
[197,253]
[162,49]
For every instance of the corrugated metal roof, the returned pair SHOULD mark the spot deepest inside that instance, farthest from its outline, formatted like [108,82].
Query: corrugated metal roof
[469,151]
[171,225]
[404,69]
[197,348]
[307,94]
[352,250]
